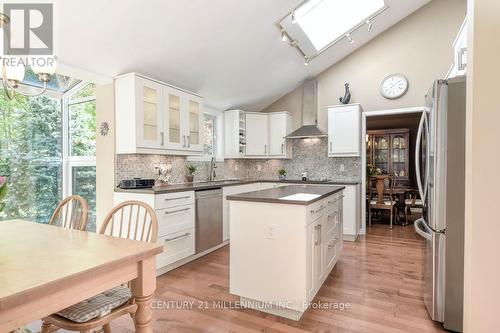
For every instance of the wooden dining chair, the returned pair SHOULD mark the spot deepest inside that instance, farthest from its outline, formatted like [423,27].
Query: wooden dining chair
[133,220]
[386,203]
[71,213]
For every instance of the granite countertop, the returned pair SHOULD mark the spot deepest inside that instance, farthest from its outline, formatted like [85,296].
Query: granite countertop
[291,194]
[209,185]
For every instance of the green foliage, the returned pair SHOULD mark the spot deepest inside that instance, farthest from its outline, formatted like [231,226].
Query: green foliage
[191,168]
[31,155]
[281,172]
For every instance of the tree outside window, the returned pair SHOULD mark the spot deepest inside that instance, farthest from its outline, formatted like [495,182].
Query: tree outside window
[209,141]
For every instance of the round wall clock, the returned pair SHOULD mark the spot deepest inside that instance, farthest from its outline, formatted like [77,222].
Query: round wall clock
[394,86]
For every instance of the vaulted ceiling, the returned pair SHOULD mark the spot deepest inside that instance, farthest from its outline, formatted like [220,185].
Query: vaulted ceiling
[229,51]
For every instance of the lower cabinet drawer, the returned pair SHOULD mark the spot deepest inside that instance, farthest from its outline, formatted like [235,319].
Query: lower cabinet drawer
[172,220]
[331,253]
[167,200]
[332,220]
[315,211]
[176,247]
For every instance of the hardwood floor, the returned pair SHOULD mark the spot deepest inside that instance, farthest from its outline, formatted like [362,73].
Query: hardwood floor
[379,276]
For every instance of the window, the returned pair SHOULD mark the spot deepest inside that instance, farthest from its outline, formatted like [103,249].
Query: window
[210,136]
[47,150]
[323,21]
[79,154]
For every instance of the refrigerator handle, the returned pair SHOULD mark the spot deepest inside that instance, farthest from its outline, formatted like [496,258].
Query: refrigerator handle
[421,229]
[422,188]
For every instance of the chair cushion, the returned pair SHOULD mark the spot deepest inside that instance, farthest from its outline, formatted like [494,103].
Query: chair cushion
[374,202]
[418,202]
[98,305]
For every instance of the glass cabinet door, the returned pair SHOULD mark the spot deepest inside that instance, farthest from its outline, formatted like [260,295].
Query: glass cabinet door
[150,132]
[381,152]
[174,119]
[194,123]
[399,160]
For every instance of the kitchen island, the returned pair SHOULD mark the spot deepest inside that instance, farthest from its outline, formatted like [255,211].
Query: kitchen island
[284,243]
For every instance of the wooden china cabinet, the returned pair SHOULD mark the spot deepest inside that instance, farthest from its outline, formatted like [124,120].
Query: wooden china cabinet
[389,151]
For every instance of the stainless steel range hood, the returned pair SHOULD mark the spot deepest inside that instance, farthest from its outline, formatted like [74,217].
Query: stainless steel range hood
[309,128]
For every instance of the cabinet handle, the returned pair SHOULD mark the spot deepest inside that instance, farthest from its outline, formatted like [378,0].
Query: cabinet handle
[177,211]
[332,244]
[265,149]
[331,149]
[189,141]
[178,237]
[162,138]
[183,141]
[282,148]
[178,198]
[318,234]
[317,210]
[461,53]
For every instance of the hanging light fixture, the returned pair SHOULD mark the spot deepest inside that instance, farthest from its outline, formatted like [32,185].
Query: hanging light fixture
[349,38]
[369,24]
[14,69]
[283,35]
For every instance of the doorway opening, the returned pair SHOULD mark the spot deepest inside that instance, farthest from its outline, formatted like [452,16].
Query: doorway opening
[389,188]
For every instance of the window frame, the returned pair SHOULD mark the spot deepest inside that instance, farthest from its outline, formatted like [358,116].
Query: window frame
[68,161]
[218,134]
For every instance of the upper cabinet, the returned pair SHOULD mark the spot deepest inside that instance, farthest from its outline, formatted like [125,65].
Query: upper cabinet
[344,130]
[459,66]
[154,117]
[256,135]
[257,128]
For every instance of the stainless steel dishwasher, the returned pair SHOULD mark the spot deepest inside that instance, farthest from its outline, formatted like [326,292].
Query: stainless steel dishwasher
[208,228]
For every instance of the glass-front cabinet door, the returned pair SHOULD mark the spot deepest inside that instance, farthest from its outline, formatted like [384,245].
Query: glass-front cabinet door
[173,118]
[195,126]
[381,152]
[399,146]
[150,131]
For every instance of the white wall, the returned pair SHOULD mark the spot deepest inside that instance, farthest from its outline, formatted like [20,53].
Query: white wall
[482,224]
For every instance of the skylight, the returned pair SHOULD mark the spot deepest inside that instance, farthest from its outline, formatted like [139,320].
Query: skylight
[323,21]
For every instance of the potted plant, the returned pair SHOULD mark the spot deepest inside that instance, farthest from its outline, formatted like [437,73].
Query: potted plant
[191,169]
[282,174]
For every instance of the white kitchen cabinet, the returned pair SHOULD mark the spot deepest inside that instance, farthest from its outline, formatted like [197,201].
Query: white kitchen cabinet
[344,130]
[176,224]
[234,134]
[351,211]
[155,118]
[459,66]
[283,252]
[280,125]
[257,134]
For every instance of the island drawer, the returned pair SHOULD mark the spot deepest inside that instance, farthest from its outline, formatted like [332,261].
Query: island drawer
[175,219]
[177,246]
[175,199]
[332,219]
[315,211]
[332,202]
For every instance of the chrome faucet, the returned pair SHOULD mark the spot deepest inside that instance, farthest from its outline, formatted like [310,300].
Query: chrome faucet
[213,166]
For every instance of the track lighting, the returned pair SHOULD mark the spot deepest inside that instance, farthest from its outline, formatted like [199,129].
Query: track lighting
[283,35]
[349,38]
[369,24]
[294,20]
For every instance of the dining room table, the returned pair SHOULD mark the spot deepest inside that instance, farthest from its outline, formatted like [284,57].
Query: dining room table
[45,269]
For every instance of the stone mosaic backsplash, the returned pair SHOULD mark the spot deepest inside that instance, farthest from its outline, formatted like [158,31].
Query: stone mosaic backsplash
[307,155]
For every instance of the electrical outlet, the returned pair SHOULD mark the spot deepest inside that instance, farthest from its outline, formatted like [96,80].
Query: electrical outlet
[259,167]
[342,168]
[271,231]
[156,170]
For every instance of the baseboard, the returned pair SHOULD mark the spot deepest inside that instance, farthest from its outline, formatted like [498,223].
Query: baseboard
[349,238]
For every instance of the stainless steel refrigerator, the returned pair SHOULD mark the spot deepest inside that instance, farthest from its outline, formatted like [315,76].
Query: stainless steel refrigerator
[440,168]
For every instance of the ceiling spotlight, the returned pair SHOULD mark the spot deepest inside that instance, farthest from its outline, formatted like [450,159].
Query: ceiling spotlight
[369,24]
[349,38]
[306,61]
[294,20]
[283,35]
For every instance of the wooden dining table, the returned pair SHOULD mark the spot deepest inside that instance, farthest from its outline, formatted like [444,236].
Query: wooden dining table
[44,269]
